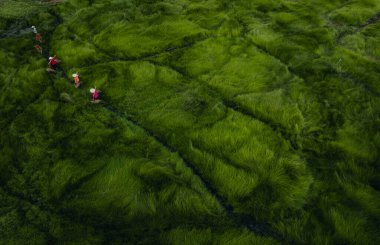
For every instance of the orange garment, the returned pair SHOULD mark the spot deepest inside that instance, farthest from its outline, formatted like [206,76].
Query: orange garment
[38,37]
[38,48]
[76,79]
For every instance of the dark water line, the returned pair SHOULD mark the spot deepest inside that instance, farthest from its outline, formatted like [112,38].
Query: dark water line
[333,71]
[358,83]
[222,158]
[233,106]
[67,191]
[113,58]
[373,20]
[275,127]
[241,220]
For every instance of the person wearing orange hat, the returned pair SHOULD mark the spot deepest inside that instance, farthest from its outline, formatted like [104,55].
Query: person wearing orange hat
[76,80]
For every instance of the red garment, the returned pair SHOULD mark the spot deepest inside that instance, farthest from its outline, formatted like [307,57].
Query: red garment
[76,80]
[95,95]
[53,62]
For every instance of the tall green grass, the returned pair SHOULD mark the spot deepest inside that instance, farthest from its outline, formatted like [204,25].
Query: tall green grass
[11,9]
[206,236]
[213,112]
[237,140]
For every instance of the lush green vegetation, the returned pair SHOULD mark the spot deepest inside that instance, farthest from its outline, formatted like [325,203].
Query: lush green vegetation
[222,122]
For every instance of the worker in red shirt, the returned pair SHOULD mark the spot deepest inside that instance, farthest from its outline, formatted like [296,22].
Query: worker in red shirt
[53,62]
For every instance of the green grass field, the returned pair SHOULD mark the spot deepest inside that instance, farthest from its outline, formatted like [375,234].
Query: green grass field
[222,122]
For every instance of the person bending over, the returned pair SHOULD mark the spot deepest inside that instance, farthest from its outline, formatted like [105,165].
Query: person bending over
[95,95]
[76,80]
[53,63]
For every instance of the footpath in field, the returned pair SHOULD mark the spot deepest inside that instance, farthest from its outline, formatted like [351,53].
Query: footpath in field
[223,122]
